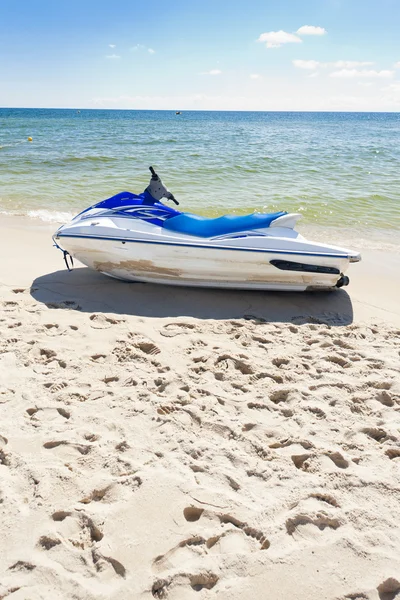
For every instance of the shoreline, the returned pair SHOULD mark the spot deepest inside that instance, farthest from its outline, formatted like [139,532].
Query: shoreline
[361,238]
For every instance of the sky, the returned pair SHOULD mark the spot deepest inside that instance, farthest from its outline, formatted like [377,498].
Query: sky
[308,55]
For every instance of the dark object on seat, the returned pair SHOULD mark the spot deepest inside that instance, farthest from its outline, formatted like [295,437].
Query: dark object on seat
[204,227]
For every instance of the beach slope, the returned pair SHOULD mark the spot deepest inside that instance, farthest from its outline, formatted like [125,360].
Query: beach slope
[174,443]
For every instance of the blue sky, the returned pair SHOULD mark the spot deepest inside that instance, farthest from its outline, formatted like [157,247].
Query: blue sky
[201,54]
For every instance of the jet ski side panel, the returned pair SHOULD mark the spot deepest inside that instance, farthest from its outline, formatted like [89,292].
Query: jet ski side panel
[188,265]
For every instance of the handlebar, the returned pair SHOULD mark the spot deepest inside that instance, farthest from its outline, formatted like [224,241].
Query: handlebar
[159,191]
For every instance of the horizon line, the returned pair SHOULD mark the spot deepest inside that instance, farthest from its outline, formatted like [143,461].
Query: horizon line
[199,110]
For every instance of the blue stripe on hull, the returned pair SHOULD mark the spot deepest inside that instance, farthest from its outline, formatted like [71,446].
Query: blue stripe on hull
[293,252]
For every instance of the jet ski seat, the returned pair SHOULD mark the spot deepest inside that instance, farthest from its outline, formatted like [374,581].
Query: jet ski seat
[196,225]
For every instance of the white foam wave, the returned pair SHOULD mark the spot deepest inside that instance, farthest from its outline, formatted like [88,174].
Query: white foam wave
[50,216]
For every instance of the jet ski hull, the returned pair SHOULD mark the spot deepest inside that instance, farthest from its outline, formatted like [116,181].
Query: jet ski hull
[207,264]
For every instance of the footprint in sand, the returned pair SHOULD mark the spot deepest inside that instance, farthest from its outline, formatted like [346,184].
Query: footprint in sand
[9,306]
[194,513]
[14,325]
[385,398]
[327,498]
[321,521]
[389,589]
[145,345]
[101,321]
[33,412]
[4,458]
[280,362]
[306,444]
[81,448]
[65,305]
[46,542]
[199,581]
[228,362]
[174,329]
[21,566]
[338,459]
[110,379]
[257,406]
[100,561]
[338,360]
[280,395]
[379,385]
[130,382]
[55,386]
[52,329]
[79,531]
[126,352]
[301,461]
[99,358]
[377,434]
[393,453]
[260,376]
[45,355]
[187,416]
[6,394]
[315,410]
[86,526]
[109,493]
[239,538]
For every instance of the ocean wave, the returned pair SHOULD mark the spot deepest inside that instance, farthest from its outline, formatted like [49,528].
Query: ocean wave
[49,216]
[12,145]
[59,161]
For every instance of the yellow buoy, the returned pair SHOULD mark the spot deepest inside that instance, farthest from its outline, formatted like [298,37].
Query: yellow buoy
[29,139]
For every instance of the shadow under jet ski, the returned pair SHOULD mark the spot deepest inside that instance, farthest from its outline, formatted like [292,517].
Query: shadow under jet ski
[88,291]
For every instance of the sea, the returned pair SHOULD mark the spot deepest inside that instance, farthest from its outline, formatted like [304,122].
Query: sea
[341,171]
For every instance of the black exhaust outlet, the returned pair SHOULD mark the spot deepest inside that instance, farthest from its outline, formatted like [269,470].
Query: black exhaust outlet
[344,280]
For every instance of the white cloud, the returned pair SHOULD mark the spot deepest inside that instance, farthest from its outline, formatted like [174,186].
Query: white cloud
[339,64]
[362,73]
[397,65]
[275,39]
[350,64]
[311,30]
[113,56]
[138,47]
[314,74]
[284,96]
[212,72]
[307,64]
[112,45]
[393,87]
[255,76]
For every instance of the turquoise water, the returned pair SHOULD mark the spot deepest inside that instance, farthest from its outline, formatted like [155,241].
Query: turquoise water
[337,169]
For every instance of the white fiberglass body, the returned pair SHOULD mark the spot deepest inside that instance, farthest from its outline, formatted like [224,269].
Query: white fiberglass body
[137,238]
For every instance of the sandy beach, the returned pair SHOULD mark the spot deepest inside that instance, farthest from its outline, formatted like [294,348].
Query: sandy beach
[178,443]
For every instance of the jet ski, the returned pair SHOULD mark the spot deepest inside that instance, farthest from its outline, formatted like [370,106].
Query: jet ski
[139,238]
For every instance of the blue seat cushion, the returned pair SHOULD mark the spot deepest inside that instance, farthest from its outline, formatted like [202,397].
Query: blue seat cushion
[204,227]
